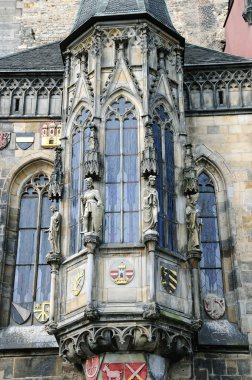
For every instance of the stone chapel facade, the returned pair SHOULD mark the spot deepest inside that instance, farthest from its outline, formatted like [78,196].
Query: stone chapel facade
[125,203]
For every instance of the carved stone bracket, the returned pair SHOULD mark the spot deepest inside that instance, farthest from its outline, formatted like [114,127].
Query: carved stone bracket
[56,185]
[149,338]
[151,311]
[54,259]
[51,328]
[149,156]
[91,313]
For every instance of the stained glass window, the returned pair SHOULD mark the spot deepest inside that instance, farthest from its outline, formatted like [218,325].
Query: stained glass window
[211,268]
[32,274]
[165,182]
[79,147]
[121,174]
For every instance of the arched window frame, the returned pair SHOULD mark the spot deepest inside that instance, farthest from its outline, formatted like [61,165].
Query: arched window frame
[166,166]
[110,112]
[80,128]
[217,170]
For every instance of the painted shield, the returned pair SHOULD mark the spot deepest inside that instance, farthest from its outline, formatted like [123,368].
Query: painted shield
[4,139]
[78,282]
[168,279]
[112,371]
[19,313]
[41,311]
[92,367]
[122,272]
[24,140]
[135,371]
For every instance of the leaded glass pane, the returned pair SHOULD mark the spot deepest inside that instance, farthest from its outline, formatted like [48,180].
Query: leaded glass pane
[130,121]
[122,105]
[207,205]
[113,227]
[131,198]
[113,123]
[73,241]
[44,248]
[112,142]
[113,198]
[131,228]
[26,246]
[23,284]
[46,213]
[130,168]
[113,169]
[205,184]
[28,219]
[211,282]
[130,145]
[76,150]
[209,230]
[74,207]
[43,284]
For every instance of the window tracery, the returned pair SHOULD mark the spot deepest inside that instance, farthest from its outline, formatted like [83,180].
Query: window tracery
[32,274]
[121,173]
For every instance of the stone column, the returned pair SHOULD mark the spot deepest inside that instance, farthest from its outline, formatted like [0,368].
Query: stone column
[194,258]
[54,260]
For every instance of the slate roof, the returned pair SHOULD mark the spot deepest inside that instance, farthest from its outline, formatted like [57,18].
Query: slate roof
[201,56]
[43,58]
[101,8]
[48,58]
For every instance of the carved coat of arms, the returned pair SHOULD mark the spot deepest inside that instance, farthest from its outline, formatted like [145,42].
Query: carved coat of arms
[112,371]
[169,279]
[78,282]
[135,371]
[4,139]
[214,306]
[122,273]
[41,311]
[92,367]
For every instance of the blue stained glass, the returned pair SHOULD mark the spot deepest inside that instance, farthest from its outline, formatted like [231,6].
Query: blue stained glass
[211,282]
[122,105]
[112,227]
[205,184]
[112,142]
[130,167]
[43,284]
[76,150]
[130,145]
[211,255]
[26,246]
[131,197]
[209,230]
[45,247]
[46,213]
[207,202]
[160,229]
[162,113]
[28,219]
[113,123]
[23,284]
[113,169]
[74,210]
[131,227]
[83,117]
[86,139]
[130,121]
[75,182]
[113,198]
[73,240]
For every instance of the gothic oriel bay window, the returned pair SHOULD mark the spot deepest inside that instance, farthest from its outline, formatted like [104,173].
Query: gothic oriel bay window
[121,174]
[164,143]
[80,135]
[211,266]
[32,274]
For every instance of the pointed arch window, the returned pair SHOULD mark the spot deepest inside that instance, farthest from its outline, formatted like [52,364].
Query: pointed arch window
[32,274]
[164,143]
[211,265]
[79,146]
[121,174]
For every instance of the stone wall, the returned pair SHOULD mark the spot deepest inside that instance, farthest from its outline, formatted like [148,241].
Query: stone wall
[29,23]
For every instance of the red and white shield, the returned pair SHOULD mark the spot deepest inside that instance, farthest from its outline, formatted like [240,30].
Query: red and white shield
[112,371]
[92,367]
[4,139]
[135,371]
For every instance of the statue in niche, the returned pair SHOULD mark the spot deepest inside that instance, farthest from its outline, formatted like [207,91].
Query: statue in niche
[151,206]
[54,230]
[91,209]
[193,223]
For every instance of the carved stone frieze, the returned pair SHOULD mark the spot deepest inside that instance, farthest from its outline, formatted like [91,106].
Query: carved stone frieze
[146,337]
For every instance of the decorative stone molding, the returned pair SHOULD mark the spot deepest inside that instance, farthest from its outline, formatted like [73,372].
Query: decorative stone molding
[150,338]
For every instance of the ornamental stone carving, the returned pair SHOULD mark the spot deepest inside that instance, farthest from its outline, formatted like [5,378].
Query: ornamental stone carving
[190,173]
[214,306]
[56,185]
[92,157]
[149,160]
[151,206]
[91,209]
[54,231]
[193,223]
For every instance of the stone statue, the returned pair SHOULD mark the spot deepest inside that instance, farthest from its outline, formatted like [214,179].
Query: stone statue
[54,230]
[151,205]
[193,223]
[91,209]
